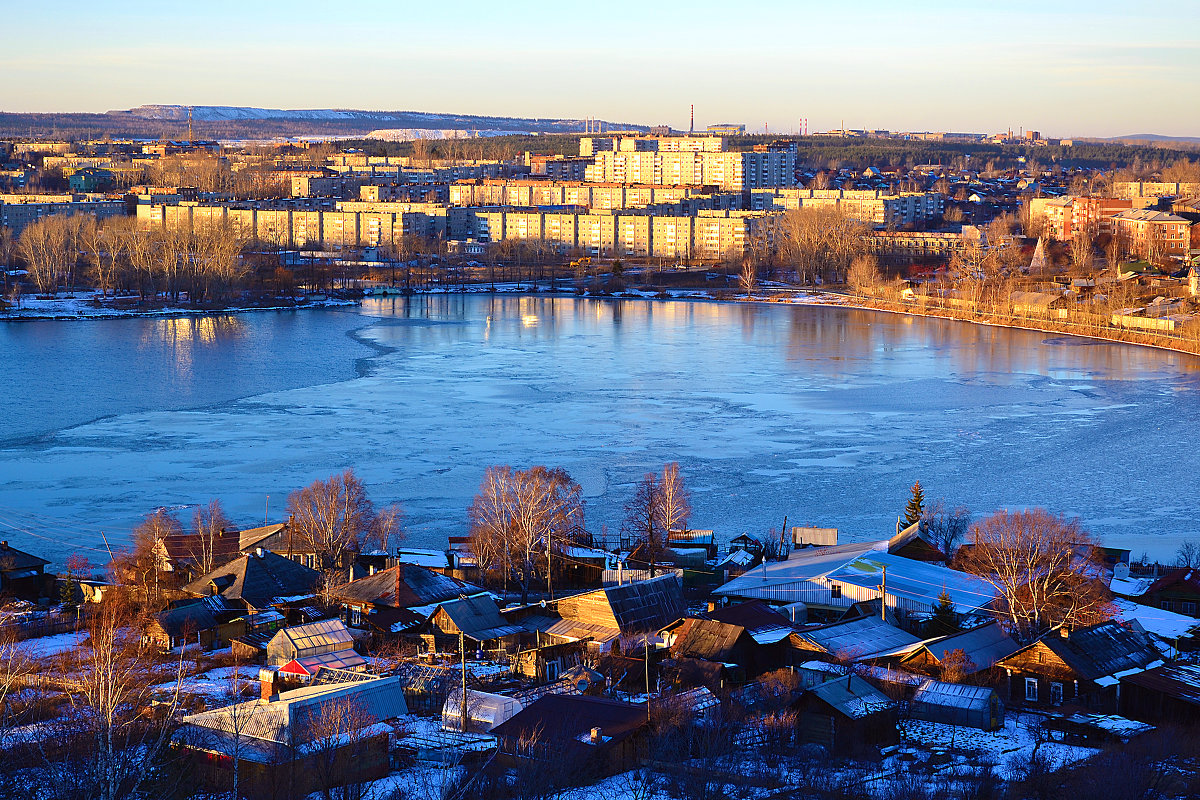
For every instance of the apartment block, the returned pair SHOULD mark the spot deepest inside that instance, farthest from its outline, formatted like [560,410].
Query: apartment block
[1133,189]
[1153,234]
[869,205]
[1066,215]
[16,213]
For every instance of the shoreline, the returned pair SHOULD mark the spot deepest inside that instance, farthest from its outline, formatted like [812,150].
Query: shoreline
[79,310]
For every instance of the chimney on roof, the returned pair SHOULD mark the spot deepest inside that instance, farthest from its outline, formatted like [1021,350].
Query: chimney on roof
[266,679]
[4,545]
[258,551]
[597,735]
[399,580]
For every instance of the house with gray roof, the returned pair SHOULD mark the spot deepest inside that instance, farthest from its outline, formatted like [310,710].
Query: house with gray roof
[257,580]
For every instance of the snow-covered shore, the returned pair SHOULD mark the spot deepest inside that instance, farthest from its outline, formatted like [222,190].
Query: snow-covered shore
[84,306]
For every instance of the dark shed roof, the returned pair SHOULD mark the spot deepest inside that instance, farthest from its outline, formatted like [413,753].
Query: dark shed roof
[405,586]
[567,720]
[188,619]
[258,579]
[11,559]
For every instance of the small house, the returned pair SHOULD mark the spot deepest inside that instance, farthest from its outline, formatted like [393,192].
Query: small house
[972,652]
[194,624]
[313,639]
[1082,667]
[257,580]
[185,554]
[912,542]
[281,741]
[579,736]
[635,609]
[477,619]
[845,714]
[958,704]
[1165,695]
[1178,591]
[399,598]
[22,575]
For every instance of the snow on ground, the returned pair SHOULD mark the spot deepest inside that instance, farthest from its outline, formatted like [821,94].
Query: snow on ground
[89,305]
[216,683]
[48,646]
[1015,741]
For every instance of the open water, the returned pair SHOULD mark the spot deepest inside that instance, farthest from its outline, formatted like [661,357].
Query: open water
[821,415]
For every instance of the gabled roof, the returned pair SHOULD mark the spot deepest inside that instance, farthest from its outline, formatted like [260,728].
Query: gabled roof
[186,548]
[858,639]
[954,695]
[404,586]
[330,633]
[186,620]
[257,580]
[916,581]
[1183,578]
[478,617]
[764,624]
[984,645]
[13,559]
[252,537]
[772,580]
[565,721]
[638,607]
[1099,652]
[338,659]
[852,696]
[708,639]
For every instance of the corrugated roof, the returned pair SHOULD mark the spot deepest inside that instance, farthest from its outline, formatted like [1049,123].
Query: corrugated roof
[646,606]
[1099,652]
[338,659]
[984,645]
[763,623]
[765,580]
[918,582]
[953,695]
[13,559]
[1181,681]
[253,536]
[858,639]
[417,587]
[852,696]
[189,619]
[565,720]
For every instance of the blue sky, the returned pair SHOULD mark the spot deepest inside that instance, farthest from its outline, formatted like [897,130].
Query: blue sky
[1067,68]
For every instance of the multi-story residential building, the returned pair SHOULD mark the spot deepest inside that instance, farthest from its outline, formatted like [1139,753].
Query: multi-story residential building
[320,184]
[20,210]
[869,205]
[1155,235]
[1132,189]
[1066,215]
[529,192]
[682,160]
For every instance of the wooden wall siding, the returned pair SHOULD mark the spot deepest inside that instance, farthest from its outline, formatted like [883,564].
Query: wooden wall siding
[592,608]
[1041,661]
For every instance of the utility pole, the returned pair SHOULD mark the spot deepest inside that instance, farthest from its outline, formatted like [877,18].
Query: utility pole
[883,595]
[462,646]
[549,565]
[646,647]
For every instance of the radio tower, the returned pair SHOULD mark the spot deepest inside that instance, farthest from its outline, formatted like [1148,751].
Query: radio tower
[692,124]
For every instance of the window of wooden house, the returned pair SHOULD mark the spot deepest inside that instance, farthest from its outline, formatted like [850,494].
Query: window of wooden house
[1189,608]
[1031,690]
[1056,693]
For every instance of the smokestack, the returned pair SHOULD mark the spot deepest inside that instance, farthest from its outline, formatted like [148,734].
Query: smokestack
[692,124]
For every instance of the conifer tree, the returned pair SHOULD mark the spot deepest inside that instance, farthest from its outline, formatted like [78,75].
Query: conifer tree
[916,505]
[945,618]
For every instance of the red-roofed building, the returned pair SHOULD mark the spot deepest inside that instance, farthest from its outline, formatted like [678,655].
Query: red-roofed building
[1178,591]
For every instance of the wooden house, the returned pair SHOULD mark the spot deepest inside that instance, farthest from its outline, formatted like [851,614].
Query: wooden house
[256,581]
[1178,591]
[860,639]
[477,619]
[546,663]
[981,648]
[282,538]
[1081,667]
[398,599]
[184,554]
[191,624]
[22,574]
[635,609]
[1165,695]
[846,714]
[576,736]
[912,543]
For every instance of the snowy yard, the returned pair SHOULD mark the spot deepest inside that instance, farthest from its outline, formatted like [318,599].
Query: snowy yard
[1016,740]
[50,646]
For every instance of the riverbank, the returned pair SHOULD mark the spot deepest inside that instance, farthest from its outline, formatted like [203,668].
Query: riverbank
[91,306]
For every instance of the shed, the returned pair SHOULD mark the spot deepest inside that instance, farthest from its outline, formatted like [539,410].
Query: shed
[588,736]
[983,646]
[476,617]
[858,639]
[1169,694]
[958,704]
[21,574]
[307,667]
[484,710]
[312,639]
[845,714]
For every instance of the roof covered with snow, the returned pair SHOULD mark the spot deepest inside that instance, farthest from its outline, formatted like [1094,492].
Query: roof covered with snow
[1163,624]
[858,639]
[801,565]
[954,695]
[852,696]
[919,582]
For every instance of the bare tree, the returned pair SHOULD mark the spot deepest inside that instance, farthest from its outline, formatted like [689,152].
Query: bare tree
[1188,554]
[1044,568]
[674,505]
[337,739]
[520,518]
[335,517]
[144,565]
[208,524]
[748,278]
[1083,244]
[121,705]
[863,274]
[643,522]
[945,528]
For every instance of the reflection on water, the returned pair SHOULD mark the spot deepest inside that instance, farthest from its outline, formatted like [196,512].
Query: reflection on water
[180,336]
[826,415]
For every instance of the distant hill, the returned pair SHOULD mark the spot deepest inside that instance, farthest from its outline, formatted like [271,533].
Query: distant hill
[240,122]
[1151,137]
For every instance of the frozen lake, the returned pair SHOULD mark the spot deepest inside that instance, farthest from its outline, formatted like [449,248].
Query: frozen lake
[824,415]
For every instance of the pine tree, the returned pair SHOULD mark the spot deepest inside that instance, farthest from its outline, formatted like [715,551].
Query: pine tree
[945,618]
[916,505]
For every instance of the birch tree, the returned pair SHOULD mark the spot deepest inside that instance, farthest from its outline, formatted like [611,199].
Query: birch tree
[335,517]
[520,518]
[1044,568]
[208,524]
